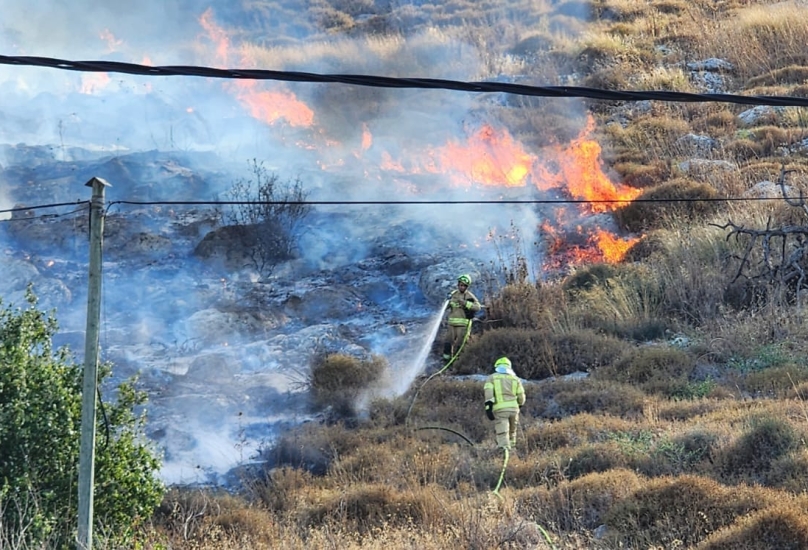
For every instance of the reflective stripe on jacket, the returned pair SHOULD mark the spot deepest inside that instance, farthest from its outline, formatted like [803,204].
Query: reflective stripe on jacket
[457,315]
[505,390]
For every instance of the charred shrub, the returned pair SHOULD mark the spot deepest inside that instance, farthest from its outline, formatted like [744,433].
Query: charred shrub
[267,217]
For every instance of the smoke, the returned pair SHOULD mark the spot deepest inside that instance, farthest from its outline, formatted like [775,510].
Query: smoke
[345,143]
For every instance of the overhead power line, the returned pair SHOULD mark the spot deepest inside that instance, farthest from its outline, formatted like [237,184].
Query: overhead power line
[392,82]
[110,204]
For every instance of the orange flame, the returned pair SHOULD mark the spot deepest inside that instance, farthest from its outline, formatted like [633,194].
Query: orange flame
[581,172]
[491,157]
[217,35]
[270,107]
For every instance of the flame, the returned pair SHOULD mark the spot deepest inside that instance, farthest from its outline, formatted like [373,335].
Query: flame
[269,107]
[491,157]
[581,173]
[92,83]
[217,35]
[613,249]
[113,44]
[488,157]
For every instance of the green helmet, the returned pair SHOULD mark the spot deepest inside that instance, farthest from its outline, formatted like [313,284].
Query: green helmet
[465,279]
[503,362]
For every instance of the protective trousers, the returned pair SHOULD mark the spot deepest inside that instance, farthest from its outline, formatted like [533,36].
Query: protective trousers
[456,335]
[505,423]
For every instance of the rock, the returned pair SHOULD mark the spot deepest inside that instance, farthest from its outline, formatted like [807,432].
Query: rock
[712,64]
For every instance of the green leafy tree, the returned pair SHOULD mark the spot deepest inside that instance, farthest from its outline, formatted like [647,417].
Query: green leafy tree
[40,423]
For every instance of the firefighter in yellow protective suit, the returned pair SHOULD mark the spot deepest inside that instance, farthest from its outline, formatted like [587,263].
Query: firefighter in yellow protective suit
[504,395]
[462,307]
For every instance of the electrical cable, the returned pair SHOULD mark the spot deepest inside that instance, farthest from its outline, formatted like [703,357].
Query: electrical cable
[83,203]
[406,83]
[384,203]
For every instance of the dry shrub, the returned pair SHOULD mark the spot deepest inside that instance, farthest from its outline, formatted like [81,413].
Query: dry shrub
[599,457]
[580,504]
[775,381]
[584,350]
[342,381]
[280,490]
[572,431]
[622,300]
[687,205]
[750,457]
[790,472]
[693,272]
[750,39]
[564,398]
[642,175]
[368,507]
[654,369]
[718,122]
[530,351]
[209,519]
[743,149]
[681,511]
[524,305]
[688,453]
[453,403]
[783,526]
[681,410]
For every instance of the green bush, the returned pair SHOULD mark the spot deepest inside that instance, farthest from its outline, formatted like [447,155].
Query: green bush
[40,425]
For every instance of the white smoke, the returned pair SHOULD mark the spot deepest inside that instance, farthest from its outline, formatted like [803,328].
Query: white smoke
[120,113]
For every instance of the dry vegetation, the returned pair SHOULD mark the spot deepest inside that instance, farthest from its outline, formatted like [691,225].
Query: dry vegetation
[688,430]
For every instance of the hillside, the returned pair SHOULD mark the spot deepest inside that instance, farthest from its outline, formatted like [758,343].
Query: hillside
[651,295]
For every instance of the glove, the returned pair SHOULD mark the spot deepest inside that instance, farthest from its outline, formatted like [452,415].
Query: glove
[469,304]
[489,410]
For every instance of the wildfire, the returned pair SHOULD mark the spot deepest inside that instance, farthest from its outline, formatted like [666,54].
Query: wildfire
[581,173]
[491,157]
[488,157]
[270,107]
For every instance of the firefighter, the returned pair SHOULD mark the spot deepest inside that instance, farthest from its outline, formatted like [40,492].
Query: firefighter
[504,396]
[462,307]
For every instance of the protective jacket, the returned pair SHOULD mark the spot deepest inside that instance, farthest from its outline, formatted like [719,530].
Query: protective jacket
[462,307]
[505,390]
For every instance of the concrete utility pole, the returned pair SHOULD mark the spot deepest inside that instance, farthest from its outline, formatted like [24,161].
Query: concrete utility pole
[89,389]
